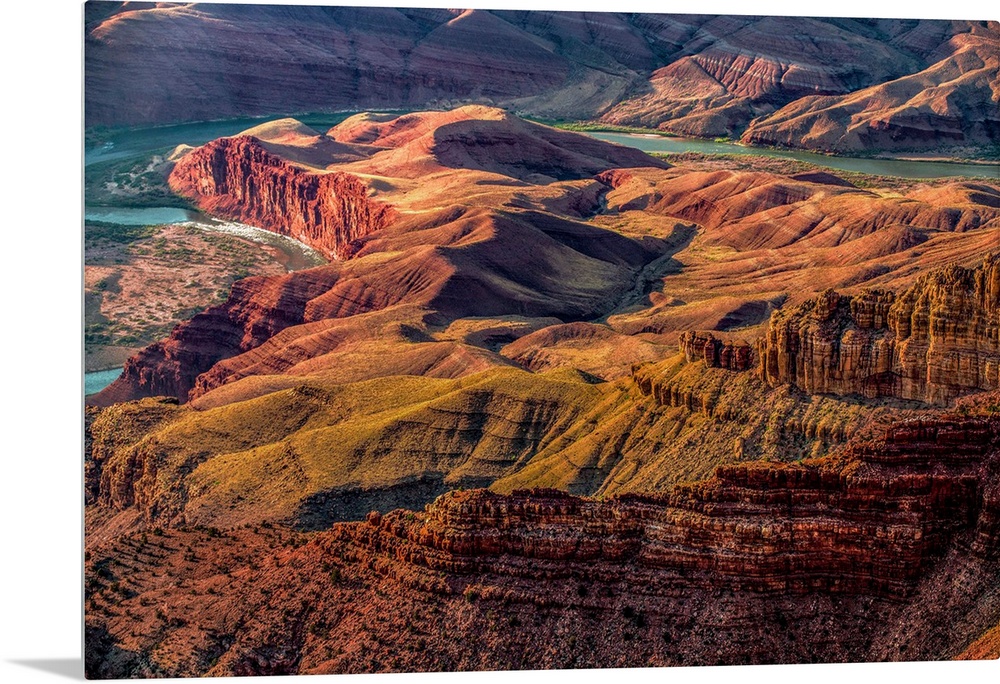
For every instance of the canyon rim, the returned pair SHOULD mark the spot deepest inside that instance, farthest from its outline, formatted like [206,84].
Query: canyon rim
[412,351]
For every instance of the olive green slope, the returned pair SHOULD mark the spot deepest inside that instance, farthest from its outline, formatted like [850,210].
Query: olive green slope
[321,452]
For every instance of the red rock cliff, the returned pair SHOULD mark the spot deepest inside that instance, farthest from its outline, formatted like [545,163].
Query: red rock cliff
[716,353]
[868,522]
[238,179]
[888,551]
[936,341]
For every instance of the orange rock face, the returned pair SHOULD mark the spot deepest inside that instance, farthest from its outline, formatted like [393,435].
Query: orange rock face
[935,341]
[238,179]
[735,356]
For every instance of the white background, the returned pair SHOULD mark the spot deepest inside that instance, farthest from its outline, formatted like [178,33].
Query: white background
[41,300]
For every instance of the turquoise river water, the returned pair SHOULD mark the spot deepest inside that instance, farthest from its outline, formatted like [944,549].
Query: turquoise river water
[903,168]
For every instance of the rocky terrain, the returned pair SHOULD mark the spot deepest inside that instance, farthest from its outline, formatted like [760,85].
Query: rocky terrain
[513,206]
[938,339]
[492,285]
[951,103]
[845,85]
[868,555]
[553,390]
[237,178]
[140,282]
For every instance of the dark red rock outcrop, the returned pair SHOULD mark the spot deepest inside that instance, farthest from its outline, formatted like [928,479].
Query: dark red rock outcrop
[759,527]
[859,556]
[934,342]
[238,179]
[716,353]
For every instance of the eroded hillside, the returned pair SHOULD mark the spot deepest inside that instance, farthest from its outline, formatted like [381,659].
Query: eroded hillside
[709,415]
[846,85]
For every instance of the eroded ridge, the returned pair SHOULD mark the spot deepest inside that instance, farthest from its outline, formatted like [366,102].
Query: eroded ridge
[240,180]
[869,521]
[937,340]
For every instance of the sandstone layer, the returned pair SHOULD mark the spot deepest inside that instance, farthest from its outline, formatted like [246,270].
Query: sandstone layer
[862,556]
[716,353]
[933,342]
[950,104]
[236,178]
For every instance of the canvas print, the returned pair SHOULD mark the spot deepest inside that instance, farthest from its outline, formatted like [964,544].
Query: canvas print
[464,339]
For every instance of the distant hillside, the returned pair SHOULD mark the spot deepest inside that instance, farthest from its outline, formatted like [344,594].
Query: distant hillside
[155,63]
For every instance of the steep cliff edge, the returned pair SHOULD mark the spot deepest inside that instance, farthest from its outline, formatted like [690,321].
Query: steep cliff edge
[937,340]
[716,353]
[240,180]
[763,527]
[827,560]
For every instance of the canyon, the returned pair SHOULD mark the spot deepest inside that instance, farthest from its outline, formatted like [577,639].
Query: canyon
[527,305]
[843,85]
[858,556]
[554,402]
[491,236]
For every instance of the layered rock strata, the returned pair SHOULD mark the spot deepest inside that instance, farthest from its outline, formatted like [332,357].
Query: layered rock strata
[868,522]
[716,353]
[936,341]
[831,560]
[238,179]
[950,103]
[836,84]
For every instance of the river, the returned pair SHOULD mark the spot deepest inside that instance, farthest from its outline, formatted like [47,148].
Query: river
[95,381]
[127,143]
[903,168]
[295,255]
[124,143]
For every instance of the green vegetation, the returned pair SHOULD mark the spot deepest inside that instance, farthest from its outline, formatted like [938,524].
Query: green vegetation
[135,181]
[96,333]
[598,127]
[115,232]
[589,127]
